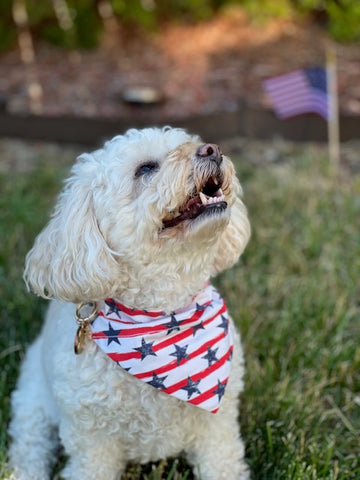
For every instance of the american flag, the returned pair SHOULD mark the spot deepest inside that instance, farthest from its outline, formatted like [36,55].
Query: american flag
[186,354]
[299,92]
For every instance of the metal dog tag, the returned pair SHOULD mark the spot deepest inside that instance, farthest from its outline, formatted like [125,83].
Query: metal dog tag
[80,339]
[84,319]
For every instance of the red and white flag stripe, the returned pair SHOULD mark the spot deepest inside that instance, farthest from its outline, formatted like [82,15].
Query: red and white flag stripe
[298,92]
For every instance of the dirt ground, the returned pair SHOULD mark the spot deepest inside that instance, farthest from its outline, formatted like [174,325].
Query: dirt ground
[199,68]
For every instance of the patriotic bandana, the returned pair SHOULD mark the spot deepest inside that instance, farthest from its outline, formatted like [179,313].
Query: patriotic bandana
[186,354]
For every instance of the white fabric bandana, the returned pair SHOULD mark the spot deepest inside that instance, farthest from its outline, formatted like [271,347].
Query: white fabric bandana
[186,354]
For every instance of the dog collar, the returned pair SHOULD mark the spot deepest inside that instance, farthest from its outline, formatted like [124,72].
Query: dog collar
[186,354]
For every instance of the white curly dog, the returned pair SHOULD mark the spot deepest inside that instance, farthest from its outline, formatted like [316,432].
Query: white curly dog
[139,229]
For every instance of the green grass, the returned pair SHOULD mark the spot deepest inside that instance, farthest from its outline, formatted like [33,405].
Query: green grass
[294,295]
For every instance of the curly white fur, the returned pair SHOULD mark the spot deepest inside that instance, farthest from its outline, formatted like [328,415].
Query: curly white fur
[105,239]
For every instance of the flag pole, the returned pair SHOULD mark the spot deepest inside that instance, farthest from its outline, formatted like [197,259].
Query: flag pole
[333,109]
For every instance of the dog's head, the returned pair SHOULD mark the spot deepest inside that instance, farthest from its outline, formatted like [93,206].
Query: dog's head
[153,208]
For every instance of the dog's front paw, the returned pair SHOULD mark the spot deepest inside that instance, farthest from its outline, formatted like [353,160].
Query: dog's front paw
[219,461]
[230,471]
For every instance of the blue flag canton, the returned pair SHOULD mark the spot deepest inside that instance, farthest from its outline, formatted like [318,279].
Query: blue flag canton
[317,78]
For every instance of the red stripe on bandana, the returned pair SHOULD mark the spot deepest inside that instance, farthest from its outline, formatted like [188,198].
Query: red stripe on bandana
[200,375]
[175,364]
[134,312]
[132,332]
[208,394]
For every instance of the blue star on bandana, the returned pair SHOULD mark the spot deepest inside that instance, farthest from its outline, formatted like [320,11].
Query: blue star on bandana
[158,382]
[113,308]
[211,356]
[191,387]
[145,349]
[173,325]
[112,335]
[180,353]
[220,390]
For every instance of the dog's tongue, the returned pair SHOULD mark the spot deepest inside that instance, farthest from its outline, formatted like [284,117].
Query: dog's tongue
[191,210]
[193,205]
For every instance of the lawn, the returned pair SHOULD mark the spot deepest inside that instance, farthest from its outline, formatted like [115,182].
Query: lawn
[294,295]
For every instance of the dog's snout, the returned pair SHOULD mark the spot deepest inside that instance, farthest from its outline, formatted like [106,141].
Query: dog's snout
[209,151]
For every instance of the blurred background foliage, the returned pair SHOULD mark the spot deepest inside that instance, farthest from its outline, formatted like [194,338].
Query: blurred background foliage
[341,18]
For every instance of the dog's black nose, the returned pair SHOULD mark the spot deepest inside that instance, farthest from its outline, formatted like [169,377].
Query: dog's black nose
[209,151]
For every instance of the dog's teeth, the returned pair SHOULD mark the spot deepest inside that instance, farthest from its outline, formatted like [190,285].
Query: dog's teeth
[215,181]
[203,198]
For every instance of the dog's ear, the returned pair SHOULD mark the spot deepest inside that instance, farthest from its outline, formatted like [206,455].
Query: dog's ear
[70,259]
[234,239]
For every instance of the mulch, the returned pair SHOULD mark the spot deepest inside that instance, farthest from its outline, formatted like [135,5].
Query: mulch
[199,68]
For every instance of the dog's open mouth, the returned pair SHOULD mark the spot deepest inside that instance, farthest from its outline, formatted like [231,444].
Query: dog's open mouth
[209,199]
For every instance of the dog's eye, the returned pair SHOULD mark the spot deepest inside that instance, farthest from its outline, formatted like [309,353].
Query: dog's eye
[146,168]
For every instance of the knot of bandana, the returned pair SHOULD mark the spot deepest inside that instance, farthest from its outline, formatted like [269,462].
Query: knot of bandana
[186,354]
